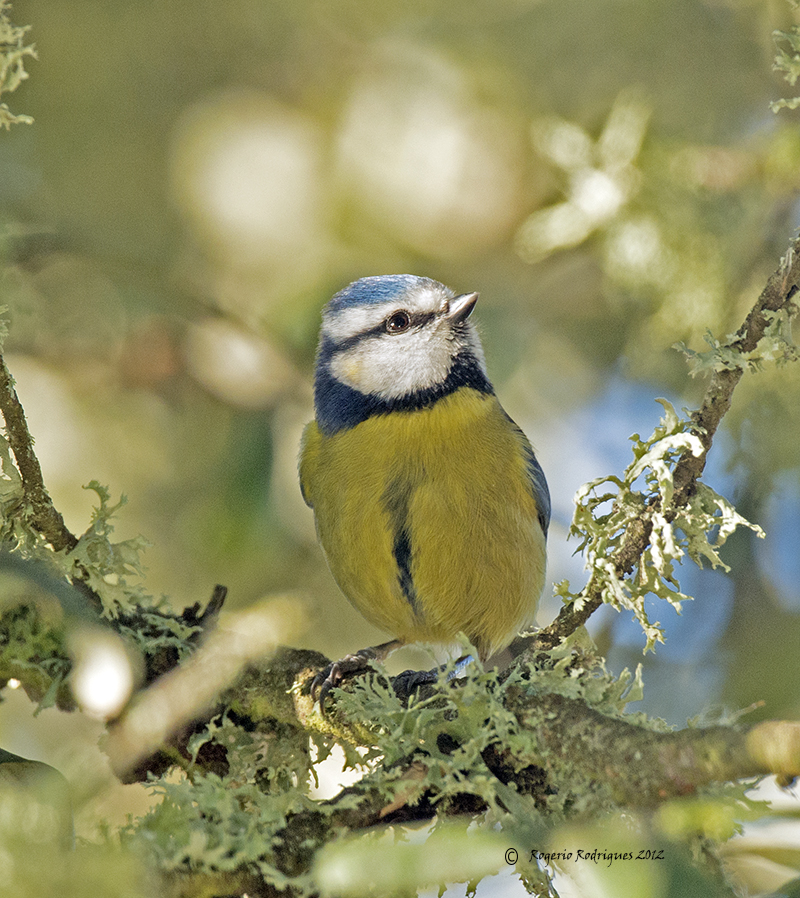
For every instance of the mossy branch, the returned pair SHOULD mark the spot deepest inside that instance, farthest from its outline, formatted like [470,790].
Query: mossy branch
[637,766]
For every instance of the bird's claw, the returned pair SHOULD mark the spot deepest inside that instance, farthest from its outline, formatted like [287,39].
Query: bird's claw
[333,675]
[410,680]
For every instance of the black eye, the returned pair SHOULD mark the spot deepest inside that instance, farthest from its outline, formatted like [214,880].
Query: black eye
[398,322]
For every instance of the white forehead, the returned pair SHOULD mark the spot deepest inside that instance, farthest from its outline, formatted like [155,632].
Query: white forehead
[341,324]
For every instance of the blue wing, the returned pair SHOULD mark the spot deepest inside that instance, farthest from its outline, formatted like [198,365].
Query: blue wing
[536,478]
[541,493]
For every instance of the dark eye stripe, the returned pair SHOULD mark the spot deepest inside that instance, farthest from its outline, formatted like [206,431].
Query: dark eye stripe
[417,320]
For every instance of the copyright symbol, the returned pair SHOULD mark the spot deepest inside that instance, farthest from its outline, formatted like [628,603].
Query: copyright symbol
[511,856]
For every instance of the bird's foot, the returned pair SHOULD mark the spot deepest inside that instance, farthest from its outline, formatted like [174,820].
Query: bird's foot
[410,680]
[336,671]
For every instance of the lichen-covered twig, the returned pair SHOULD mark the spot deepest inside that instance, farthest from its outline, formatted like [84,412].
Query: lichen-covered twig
[43,515]
[777,296]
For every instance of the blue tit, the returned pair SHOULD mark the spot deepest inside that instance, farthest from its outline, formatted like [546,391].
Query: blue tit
[430,505]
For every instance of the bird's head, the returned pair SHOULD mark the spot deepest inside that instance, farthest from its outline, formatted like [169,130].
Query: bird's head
[396,336]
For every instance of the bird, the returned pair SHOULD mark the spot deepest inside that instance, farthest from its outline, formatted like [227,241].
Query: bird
[429,502]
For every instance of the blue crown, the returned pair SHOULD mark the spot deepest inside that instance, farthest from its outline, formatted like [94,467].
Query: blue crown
[372,290]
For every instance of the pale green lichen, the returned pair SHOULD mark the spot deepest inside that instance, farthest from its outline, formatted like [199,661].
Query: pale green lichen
[33,651]
[106,566]
[38,576]
[606,507]
[13,53]
[777,345]
[214,825]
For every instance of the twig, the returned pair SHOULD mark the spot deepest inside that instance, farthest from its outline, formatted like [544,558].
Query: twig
[44,517]
[777,295]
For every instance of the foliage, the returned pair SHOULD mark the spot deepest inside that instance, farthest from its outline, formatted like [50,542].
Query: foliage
[214,826]
[477,755]
[256,822]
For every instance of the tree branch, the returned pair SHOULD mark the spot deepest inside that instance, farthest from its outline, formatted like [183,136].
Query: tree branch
[569,745]
[572,748]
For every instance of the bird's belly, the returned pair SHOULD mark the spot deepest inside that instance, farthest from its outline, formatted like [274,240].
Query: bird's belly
[429,525]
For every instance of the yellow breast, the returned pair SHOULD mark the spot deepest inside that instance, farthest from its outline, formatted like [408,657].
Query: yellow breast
[428,521]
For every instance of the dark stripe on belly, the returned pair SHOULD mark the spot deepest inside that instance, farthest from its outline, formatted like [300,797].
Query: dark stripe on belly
[402,554]
[396,500]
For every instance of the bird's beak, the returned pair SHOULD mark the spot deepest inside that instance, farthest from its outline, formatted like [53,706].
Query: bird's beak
[461,306]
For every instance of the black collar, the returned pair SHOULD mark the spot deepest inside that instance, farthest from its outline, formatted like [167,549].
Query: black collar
[339,407]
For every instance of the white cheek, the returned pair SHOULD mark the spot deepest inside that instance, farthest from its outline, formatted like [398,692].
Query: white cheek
[392,367]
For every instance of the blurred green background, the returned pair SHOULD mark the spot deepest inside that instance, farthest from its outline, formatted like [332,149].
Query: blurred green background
[202,176]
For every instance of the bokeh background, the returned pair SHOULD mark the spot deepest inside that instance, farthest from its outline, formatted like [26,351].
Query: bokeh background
[201,177]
